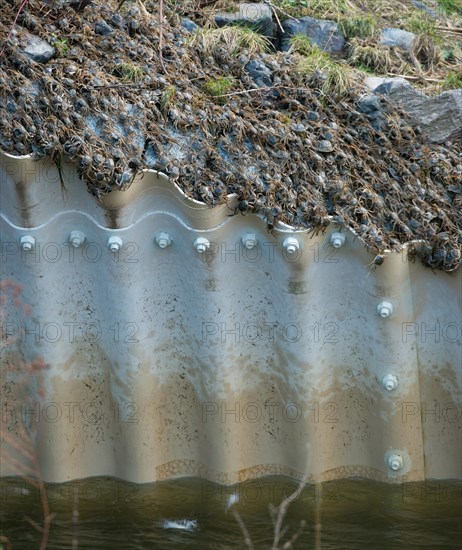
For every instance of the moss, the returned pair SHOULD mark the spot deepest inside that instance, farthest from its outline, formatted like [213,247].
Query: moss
[219,87]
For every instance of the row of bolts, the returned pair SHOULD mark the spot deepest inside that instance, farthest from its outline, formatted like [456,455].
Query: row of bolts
[201,244]
[249,241]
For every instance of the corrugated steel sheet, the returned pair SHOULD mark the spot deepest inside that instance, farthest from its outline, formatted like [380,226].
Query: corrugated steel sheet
[229,364]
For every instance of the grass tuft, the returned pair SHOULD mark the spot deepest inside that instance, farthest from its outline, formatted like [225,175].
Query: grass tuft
[234,38]
[316,65]
[218,87]
[370,57]
[453,81]
[451,6]
[128,72]
[358,27]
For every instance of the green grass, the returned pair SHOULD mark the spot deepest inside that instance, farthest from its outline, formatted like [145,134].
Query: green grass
[218,87]
[299,43]
[61,46]
[326,9]
[451,6]
[128,72]
[421,24]
[167,99]
[453,81]
[336,78]
[358,27]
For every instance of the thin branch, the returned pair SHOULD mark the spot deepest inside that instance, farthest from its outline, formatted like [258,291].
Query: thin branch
[244,530]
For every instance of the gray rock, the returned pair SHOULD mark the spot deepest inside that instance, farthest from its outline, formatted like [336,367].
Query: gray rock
[397,38]
[369,103]
[189,25]
[103,28]
[260,73]
[324,146]
[373,82]
[256,16]
[423,7]
[371,106]
[34,47]
[322,32]
[439,117]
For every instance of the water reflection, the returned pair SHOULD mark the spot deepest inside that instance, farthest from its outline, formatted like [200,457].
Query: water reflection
[192,513]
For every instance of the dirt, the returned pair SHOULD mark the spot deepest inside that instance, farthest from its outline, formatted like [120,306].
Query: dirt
[112,106]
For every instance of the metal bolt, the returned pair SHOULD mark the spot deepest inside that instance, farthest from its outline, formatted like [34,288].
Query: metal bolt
[76,238]
[27,243]
[114,244]
[395,462]
[249,240]
[163,240]
[337,239]
[291,245]
[385,309]
[201,244]
[390,382]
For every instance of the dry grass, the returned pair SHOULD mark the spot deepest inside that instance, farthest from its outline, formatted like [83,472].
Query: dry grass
[427,53]
[365,55]
[358,27]
[235,39]
[317,66]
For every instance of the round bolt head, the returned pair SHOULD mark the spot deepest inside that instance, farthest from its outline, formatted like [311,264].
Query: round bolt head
[395,462]
[291,245]
[249,241]
[337,239]
[390,382]
[114,244]
[201,244]
[77,238]
[163,240]
[385,309]
[27,243]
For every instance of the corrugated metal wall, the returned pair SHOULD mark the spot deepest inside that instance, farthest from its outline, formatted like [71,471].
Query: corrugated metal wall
[230,364]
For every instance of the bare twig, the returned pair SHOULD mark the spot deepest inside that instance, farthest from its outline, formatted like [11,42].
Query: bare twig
[282,510]
[244,530]
[271,5]
[415,77]
[75,519]
[21,7]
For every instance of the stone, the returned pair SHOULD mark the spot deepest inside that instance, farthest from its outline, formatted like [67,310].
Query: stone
[256,16]
[103,28]
[189,25]
[369,103]
[259,73]
[423,7]
[33,47]
[321,32]
[440,117]
[324,146]
[397,38]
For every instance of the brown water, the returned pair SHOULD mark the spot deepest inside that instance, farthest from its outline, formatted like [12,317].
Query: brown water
[339,515]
